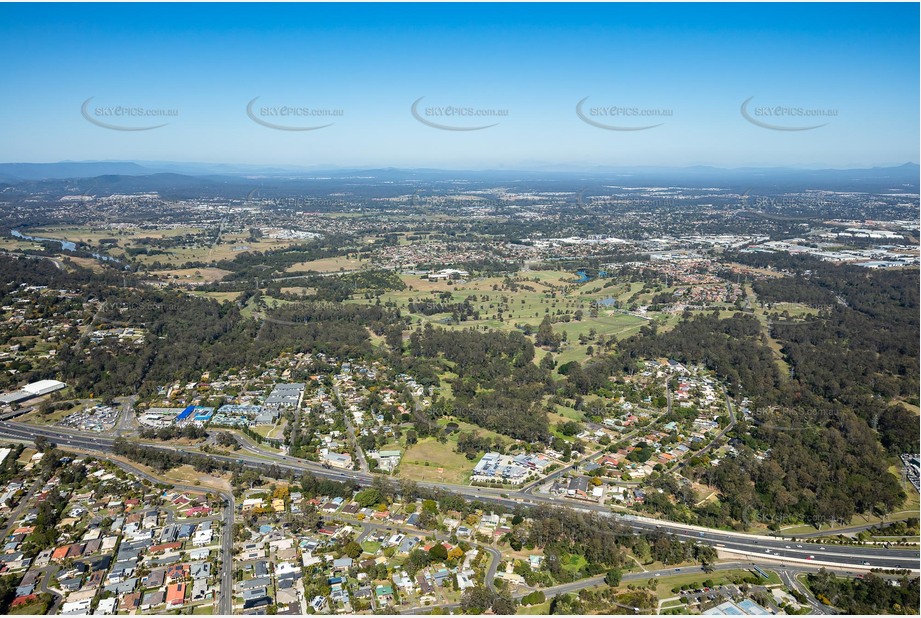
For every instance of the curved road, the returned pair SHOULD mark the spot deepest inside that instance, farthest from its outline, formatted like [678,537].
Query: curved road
[553,591]
[783,551]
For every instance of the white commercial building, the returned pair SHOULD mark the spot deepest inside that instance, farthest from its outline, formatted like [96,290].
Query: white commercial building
[35,389]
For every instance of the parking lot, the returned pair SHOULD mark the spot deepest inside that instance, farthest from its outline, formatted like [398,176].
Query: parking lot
[97,418]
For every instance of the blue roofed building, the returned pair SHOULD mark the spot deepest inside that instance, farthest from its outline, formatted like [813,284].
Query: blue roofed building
[185,414]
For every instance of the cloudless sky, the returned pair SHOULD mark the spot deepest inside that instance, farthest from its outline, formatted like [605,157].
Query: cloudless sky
[699,62]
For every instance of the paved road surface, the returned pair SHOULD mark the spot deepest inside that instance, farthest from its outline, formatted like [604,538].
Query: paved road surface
[789,580]
[347,417]
[225,596]
[495,556]
[766,548]
[590,582]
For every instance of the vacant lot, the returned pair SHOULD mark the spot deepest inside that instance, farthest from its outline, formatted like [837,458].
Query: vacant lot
[218,296]
[328,265]
[423,461]
[193,275]
[190,476]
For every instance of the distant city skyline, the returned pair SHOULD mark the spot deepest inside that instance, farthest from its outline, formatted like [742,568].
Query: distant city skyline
[485,86]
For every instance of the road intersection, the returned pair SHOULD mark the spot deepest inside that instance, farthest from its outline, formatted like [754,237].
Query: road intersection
[785,553]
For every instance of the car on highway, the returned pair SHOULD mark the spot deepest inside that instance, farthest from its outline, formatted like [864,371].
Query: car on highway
[822,549]
[799,546]
[810,558]
[866,563]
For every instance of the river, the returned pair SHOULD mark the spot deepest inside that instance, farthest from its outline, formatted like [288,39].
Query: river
[66,245]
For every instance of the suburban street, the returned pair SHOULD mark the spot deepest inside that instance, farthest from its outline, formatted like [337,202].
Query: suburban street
[495,556]
[362,461]
[225,594]
[775,550]
[553,591]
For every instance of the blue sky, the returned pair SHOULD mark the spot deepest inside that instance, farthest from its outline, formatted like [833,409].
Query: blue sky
[855,63]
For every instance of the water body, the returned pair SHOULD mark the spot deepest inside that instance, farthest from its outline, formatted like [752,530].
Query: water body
[584,278]
[66,245]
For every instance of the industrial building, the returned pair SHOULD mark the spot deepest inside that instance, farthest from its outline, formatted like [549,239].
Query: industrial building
[29,391]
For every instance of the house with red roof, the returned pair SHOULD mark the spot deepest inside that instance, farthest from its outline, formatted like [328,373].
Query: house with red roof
[24,600]
[154,549]
[175,594]
[197,511]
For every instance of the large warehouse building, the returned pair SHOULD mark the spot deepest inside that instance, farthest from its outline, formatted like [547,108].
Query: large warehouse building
[35,389]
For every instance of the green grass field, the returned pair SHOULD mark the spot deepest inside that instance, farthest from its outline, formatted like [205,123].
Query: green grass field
[329,265]
[203,610]
[665,584]
[54,417]
[574,562]
[539,293]
[422,462]
[38,607]
[541,609]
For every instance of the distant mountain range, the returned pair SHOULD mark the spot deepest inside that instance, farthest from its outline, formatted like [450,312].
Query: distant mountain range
[193,179]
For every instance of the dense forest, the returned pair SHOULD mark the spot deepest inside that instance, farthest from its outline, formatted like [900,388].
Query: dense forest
[185,334]
[828,425]
[497,385]
[869,595]
[733,347]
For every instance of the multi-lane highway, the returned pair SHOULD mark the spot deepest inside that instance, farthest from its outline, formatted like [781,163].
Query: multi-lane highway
[777,550]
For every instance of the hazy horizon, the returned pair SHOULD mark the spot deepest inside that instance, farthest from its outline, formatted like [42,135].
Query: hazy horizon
[245,168]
